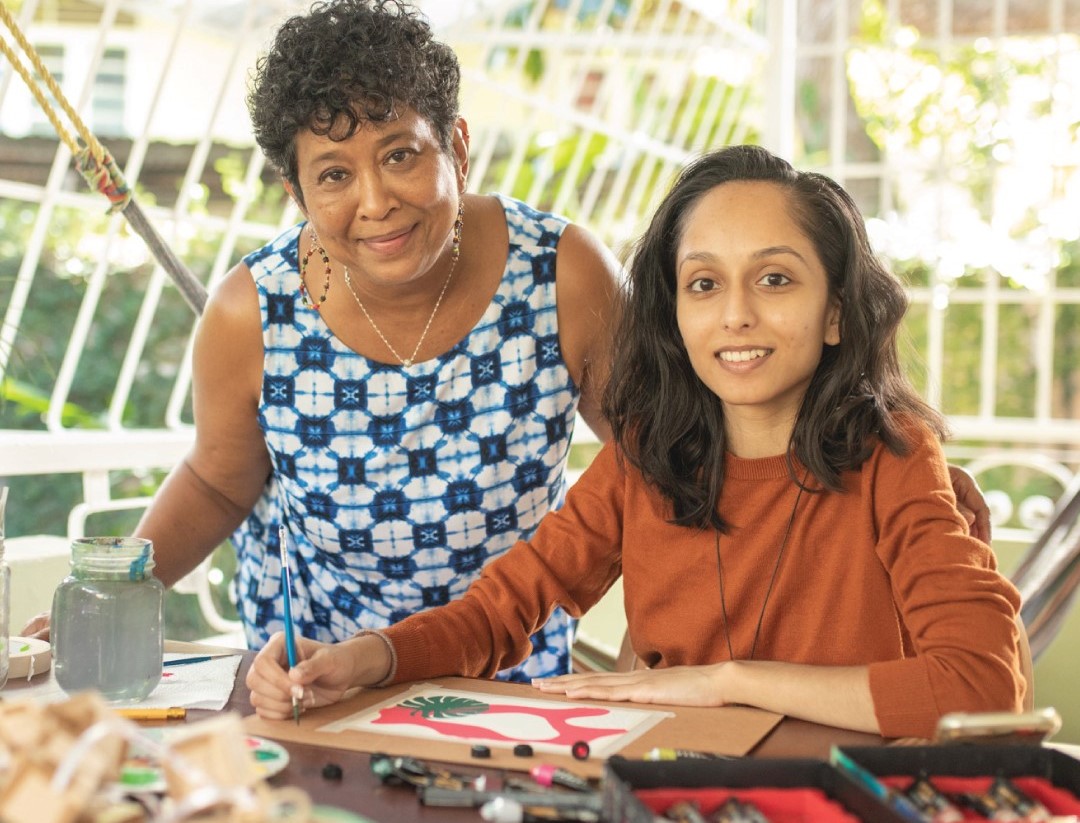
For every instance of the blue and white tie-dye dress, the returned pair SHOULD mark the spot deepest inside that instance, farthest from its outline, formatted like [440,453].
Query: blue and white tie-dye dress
[397,484]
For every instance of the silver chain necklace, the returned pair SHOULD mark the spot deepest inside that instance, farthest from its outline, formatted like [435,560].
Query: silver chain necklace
[455,253]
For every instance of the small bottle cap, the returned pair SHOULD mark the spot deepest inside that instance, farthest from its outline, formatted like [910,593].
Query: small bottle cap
[543,774]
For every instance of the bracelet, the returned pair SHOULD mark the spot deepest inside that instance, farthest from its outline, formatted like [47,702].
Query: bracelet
[386,681]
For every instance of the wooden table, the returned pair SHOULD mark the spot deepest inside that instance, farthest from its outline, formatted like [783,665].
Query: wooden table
[360,791]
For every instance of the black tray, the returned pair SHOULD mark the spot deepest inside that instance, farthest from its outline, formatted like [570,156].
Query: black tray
[623,777]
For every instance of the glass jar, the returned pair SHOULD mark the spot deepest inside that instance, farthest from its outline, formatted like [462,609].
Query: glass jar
[106,619]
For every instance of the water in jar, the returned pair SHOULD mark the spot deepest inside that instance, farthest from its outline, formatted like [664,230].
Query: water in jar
[106,625]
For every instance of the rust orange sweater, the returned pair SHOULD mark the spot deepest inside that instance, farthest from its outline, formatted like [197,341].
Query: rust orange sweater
[883,574]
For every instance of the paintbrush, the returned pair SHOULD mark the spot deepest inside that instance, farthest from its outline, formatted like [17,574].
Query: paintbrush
[286,593]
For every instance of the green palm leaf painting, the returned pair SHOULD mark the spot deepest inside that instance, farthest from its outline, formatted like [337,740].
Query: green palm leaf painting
[441,707]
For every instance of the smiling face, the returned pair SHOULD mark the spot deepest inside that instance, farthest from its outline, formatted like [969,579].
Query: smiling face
[384,200]
[754,309]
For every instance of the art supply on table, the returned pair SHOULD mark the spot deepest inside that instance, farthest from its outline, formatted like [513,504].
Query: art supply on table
[684,811]
[475,798]
[1004,800]
[398,770]
[547,775]
[580,750]
[986,806]
[413,772]
[106,619]
[999,728]
[504,810]
[894,799]
[290,629]
[28,657]
[681,754]
[1011,797]
[508,810]
[185,661]
[175,713]
[931,802]
[734,810]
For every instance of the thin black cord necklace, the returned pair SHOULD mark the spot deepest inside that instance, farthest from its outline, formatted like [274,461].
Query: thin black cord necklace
[772,580]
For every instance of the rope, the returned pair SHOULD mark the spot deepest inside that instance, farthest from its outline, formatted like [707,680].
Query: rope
[97,166]
[47,78]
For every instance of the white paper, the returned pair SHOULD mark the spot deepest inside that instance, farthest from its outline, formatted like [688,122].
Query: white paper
[203,685]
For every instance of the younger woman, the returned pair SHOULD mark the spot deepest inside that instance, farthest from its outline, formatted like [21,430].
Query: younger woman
[775,498]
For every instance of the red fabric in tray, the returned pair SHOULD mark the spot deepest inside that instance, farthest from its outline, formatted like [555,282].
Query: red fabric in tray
[779,805]
[1058,800]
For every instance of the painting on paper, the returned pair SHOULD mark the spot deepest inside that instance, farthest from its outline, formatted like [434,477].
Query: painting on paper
[430,712]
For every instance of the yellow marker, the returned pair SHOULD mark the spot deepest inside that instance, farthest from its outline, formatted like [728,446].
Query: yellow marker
[681,754]
[153,714]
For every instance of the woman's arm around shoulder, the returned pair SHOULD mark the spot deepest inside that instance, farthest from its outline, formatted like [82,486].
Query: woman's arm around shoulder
[589,295]
[209,493]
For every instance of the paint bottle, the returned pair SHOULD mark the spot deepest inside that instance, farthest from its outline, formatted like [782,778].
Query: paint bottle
[5,597]
[106,619]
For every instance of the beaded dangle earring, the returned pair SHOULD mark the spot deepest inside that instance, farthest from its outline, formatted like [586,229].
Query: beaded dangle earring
[304,295]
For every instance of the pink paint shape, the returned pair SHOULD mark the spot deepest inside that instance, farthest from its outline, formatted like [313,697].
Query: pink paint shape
[557,717]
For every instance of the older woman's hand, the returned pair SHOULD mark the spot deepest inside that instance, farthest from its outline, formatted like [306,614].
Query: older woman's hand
[972,504]
[37,627]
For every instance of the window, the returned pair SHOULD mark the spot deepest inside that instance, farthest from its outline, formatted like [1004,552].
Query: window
[107,113]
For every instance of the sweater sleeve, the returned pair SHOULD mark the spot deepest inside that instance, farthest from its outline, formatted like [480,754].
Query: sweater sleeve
[957,610]
[571,561]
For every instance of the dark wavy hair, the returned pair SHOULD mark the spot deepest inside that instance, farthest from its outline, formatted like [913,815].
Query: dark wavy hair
[346,62]
[670,426]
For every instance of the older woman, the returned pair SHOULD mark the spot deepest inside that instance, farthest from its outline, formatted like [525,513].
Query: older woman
[396,379]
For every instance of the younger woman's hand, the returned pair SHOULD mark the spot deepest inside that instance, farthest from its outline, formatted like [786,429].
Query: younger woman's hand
[325,673]
[677,686]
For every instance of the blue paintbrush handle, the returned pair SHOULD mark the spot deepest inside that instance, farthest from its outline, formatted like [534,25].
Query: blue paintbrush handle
[286,592]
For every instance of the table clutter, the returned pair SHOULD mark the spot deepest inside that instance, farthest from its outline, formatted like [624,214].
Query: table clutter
[76,759]
[63,763]
[570,797]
